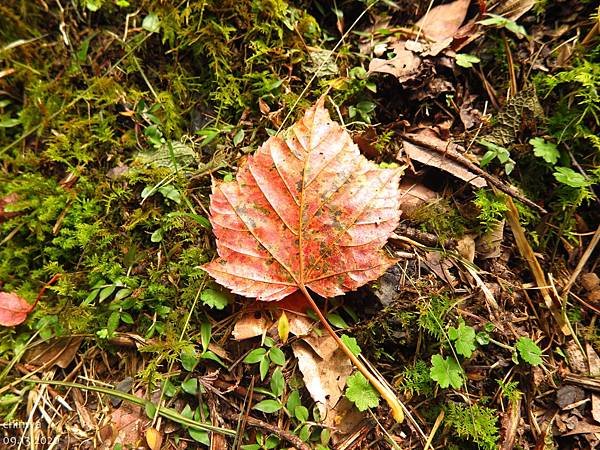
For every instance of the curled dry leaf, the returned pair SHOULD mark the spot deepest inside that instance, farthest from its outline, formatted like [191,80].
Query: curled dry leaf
[13,309]
[306,212]
[404,65]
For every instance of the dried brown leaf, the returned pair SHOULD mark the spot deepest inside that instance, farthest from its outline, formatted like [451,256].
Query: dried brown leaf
[443,21]
[437,159]
[404,65]
[324,378]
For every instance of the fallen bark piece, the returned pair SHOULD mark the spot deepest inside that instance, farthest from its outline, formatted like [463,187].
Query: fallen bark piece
[428,140]
[426,156]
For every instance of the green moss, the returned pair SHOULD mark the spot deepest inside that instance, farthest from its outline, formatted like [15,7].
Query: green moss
[439,218]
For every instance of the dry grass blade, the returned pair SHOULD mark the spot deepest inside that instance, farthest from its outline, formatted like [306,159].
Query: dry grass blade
[552,303]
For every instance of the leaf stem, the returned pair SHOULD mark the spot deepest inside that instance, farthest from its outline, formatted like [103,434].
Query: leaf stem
[388,395]
[165,412]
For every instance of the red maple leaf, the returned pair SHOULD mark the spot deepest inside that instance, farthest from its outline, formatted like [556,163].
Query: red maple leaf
[305,212]
[14,309]
[309,211]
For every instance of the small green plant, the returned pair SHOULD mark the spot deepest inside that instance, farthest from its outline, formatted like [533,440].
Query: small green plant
[503,22]
[463,339]
[510,390]
[529,351]
[446,372]
[495,151]
[548,151]
[189,355]
[432,315]
[277,388]
[465,60]
[475,423]
[416,379]
[262,442]
[491,208]
[265,356]
[360,392]
[214,298]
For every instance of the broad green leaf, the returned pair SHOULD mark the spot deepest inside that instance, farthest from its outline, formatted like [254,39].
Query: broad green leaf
[263,368]
[255,356]
[301,413]
[351,343]
[9,122]
[199,436]
[277,382]
[466,60]
[122,293]
[171,193]
[487,158]
[150,409]
[464,339]
[189,358]
[446,371]
[360,392]
[151,23]
[277,356]
[545,150]
[238,137]
[568,176]
[293,401]
[169,388]
[190,386]
[106,292]
[529,351]
[304,433]
[113,321]
[268,406]
[93,5]
[337,321]
[205,334]
[214,299]
[157,236]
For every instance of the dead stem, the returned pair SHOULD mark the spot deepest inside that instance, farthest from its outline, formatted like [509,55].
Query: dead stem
[388,395]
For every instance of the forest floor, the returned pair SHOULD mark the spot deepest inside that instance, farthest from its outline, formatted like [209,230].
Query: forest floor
[116,118]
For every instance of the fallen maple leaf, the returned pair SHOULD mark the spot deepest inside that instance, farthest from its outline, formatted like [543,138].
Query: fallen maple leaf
[13,309]
[307,212]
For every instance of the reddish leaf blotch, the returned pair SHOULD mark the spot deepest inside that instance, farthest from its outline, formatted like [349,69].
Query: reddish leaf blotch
[13,309]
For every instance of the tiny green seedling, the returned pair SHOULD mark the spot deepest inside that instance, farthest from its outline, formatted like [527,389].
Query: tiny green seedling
[465,60]
[495,151]
[265,356]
